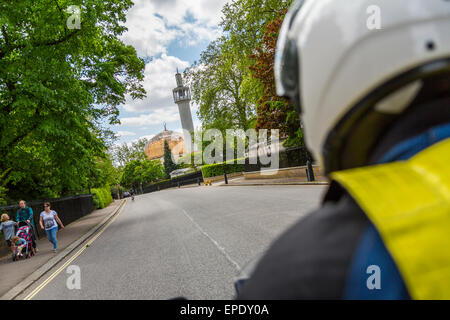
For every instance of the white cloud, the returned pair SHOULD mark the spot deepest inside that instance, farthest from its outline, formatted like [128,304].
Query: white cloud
[125,133]
[158,116]
[152,25]
[148,137]
[158,82]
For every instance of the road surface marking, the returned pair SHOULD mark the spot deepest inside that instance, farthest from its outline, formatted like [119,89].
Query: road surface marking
[221,249]
[49,279]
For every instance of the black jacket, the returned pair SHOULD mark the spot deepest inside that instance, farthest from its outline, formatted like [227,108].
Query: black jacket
[312,259]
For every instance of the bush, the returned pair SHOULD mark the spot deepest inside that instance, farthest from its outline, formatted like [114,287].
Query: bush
[102,197]
[217,169]
[117,190]
[191,160]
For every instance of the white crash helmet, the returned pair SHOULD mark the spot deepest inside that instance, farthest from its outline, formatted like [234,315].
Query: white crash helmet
[349,78]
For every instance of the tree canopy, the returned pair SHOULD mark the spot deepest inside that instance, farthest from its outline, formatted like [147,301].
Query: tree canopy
[273,111]
[233,82]
[169,165]
[59,86]
[140,172]
[216,83]
[124,153]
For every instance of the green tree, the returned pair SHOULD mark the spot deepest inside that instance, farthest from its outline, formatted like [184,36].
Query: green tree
[169,165]
[274,112]
[104,173]
[58,88]
[216,82]
[140,172]
[244,22]
[122,154]
[229,82]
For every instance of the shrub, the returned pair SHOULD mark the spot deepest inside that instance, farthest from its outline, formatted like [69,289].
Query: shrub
[217,169]
[191,160]
[102,197]
[117,190]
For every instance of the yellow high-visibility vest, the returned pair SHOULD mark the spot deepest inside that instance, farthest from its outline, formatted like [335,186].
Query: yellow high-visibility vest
[408,202]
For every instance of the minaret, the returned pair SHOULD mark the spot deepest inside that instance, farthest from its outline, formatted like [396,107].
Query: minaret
[182,97]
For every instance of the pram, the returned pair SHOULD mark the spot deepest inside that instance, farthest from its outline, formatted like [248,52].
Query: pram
[25,233]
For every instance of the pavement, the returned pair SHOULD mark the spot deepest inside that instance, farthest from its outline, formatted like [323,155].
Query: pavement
[241,181]
[16,273]
[189,242]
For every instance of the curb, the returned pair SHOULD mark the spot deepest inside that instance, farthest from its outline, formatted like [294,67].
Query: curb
[35,276]
[276,184]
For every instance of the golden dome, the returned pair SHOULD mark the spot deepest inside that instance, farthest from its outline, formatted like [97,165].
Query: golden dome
[155,147]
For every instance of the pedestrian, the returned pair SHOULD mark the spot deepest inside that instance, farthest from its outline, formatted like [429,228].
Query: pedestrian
[8,228]
[25,214]
[19,245]
[375,108]
[49,221]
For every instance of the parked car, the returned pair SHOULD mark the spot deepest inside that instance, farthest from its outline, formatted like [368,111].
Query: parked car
[126,194]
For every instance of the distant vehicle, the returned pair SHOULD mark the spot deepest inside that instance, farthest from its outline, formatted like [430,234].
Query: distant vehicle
[126,194]
[180,172]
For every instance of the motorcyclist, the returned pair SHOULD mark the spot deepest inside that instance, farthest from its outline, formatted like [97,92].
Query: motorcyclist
[132,194]
[375,105]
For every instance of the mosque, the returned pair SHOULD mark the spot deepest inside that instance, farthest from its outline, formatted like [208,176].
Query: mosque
[155,147]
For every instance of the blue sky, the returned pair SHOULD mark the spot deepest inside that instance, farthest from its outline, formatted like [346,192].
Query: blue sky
[174,34]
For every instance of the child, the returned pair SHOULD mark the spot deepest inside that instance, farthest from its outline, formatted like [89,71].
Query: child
[20,244]
[7,227]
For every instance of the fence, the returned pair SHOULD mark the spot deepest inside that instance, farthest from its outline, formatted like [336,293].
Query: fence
[191,178]
[288,158]
[69,209]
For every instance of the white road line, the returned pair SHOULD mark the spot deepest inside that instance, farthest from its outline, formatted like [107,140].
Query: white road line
[221,249]
[84,246]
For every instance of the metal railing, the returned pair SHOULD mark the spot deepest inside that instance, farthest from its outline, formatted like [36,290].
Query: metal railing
[69,209]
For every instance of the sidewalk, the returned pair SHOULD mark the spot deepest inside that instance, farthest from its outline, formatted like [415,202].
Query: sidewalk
[14,272]
[241,181]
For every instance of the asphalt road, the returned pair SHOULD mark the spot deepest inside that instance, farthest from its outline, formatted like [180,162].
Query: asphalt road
[188,242]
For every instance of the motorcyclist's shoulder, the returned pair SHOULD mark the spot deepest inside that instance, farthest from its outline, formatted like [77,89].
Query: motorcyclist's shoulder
[312,258]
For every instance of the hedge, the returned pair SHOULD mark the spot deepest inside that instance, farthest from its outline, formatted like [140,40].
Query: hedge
[196,158]
[216,169]
[102,197]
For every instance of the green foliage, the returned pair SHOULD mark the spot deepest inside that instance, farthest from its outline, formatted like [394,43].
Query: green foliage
[138,172]
[190,160]
[217,169]
[223,83]
[115,190]
[123,154]
[58,88]
[216,84]
[102,197]
[169,165]
[3,190]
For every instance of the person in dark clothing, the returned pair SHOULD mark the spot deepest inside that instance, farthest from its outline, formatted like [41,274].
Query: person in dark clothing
[384,217]
[25,214]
